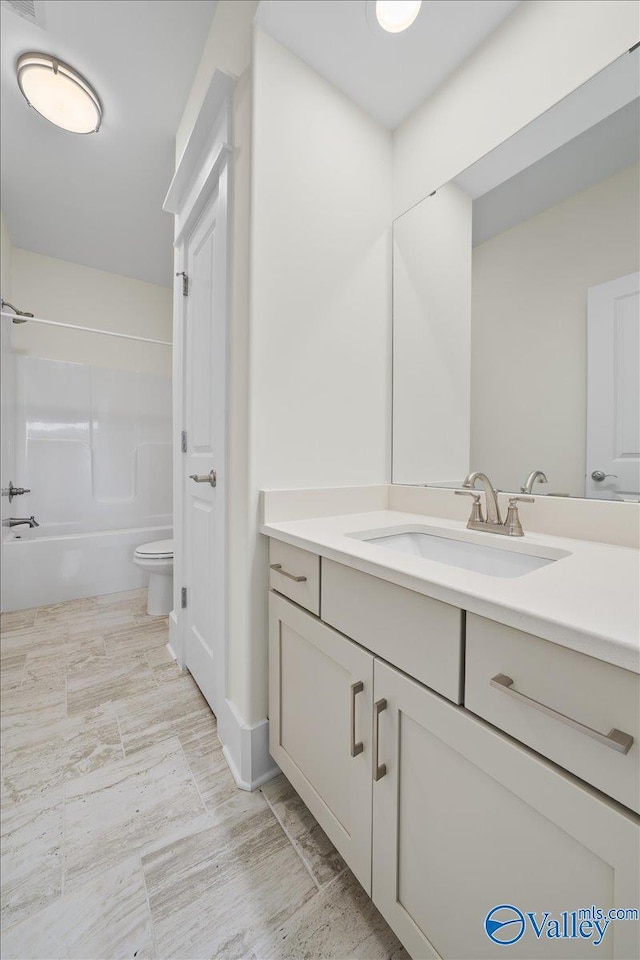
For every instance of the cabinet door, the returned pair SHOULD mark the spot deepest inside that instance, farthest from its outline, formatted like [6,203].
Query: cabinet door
[320,696]
[464,820]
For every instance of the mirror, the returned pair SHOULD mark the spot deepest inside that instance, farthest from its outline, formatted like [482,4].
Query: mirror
[516,307]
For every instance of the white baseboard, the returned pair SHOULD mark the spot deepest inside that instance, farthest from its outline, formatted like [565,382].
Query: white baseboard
[246,749]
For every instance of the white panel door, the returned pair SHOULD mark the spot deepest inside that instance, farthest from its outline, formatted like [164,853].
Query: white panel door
[320,695]
[204,502]
[613,389]
[465,820]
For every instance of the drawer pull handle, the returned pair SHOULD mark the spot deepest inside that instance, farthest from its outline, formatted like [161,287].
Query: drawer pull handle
[379,769]
[289,576]
[356,748]
[615,739]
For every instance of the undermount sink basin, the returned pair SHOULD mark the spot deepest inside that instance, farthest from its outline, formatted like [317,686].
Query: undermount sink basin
[456,550]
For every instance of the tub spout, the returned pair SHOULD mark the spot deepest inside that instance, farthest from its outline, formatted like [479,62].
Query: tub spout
[20,521]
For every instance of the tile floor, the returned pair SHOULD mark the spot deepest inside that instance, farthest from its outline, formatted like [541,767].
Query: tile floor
[123,833]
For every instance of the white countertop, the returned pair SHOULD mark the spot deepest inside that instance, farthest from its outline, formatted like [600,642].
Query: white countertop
[588,601]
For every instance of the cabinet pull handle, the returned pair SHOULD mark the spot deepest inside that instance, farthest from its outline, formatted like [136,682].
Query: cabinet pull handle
[379,769]
[615,739]
[290,576]
[356,748]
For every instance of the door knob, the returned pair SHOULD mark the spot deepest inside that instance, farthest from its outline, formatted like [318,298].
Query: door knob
[600,475]
[205,478]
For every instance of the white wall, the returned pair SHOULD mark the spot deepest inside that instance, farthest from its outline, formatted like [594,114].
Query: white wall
[431,325]
[320,297]
[528,342]
[542,52]
[59,290]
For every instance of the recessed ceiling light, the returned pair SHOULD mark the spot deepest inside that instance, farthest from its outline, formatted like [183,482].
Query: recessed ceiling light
[58,93]
[394,16]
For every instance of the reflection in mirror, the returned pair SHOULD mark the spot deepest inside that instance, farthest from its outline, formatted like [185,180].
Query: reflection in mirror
[516,308]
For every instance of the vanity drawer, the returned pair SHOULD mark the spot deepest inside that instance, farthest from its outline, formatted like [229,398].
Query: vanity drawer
[421,636]
[557,700]
[295,573]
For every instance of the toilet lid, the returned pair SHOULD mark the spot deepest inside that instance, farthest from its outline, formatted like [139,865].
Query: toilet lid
[161,549]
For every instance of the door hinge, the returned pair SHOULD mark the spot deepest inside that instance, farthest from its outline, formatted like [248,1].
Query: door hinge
[183,441]
[183,598]
[185,282]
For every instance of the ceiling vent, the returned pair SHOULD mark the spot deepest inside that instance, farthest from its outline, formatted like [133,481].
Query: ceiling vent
[30,10]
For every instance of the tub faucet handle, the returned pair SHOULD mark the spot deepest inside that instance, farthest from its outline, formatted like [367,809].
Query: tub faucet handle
[12,491]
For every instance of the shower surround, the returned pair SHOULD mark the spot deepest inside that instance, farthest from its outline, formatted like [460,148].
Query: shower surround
[93,444]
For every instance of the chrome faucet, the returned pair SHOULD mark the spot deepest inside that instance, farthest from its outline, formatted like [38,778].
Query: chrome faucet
[538,475]
[493,524]
[19,521]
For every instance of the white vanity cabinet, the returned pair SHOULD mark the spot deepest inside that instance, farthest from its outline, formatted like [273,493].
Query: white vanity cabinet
[441,816]
[465,820]
[320,698]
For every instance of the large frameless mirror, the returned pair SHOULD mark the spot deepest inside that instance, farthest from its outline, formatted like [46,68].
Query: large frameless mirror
[516,308]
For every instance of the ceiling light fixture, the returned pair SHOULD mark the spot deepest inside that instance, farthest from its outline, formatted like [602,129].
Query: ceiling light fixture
[58,93]
[394,16]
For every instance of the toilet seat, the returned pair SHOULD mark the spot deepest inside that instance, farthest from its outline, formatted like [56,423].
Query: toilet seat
[158,550]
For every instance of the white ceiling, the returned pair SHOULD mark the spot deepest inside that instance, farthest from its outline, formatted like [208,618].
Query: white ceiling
[97,200]
[389,75]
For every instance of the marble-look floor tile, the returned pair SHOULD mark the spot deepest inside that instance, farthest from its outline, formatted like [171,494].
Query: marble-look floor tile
[29,639]
[107,917]
[18,618]
[100,621]
[82,652]
[98,683]
[216,892]
[164,667]
[306,834]
[31,873]
[48,659]
[33,704]
[161,714]
[340,922]
[210,770]
[160,657]
[113,811]
[66,611]
[12,670]
[136,638]
[37,759]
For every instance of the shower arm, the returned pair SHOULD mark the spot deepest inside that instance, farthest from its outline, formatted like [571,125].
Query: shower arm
[21,316]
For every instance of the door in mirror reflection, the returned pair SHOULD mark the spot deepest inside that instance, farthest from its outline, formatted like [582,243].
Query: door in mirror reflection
[613,380]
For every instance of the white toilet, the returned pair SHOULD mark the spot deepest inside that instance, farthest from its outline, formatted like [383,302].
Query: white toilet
[157,559]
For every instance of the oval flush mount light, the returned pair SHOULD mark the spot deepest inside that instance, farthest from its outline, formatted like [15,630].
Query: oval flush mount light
[394,16]
[58,93]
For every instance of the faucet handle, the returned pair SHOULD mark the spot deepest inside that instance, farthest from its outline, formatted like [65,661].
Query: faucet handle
[512,523]
[476,509]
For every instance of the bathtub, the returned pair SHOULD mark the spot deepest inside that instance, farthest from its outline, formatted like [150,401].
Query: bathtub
[40,569]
